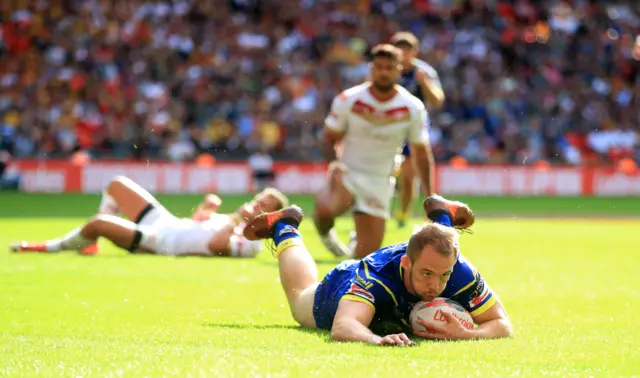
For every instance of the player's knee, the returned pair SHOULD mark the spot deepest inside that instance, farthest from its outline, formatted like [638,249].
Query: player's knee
[94,225]
[97,221]
[117,183]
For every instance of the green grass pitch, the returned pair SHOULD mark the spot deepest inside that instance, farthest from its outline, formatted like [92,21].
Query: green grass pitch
[571,287]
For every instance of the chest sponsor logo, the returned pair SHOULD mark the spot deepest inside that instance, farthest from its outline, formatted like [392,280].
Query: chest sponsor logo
[379,117]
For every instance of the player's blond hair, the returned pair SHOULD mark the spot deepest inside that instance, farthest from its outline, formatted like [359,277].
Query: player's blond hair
[281,199]
[445,240]
[405,38]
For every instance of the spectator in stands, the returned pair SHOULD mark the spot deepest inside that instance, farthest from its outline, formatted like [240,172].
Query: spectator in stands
[262,166]
[557,81]
[8,180]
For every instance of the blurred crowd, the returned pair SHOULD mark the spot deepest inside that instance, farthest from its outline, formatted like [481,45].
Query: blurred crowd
[525,80]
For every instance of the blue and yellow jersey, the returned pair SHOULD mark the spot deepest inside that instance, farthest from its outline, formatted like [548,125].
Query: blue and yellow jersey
[378,281]
[409,82]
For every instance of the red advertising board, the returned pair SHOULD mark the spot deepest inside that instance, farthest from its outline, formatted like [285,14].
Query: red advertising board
[305,178]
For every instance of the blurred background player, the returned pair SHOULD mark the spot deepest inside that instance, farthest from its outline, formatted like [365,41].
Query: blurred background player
[370,122]
[377,293]
[151,228]
[422,81]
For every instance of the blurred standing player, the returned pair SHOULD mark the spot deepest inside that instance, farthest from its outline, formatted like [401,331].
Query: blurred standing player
[422,81]
[370,122]
[153,229]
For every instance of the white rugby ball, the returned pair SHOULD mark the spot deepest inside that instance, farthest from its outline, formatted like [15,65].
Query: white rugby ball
[431,312]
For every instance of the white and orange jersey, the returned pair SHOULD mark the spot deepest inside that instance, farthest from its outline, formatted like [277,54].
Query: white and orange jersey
[374,130]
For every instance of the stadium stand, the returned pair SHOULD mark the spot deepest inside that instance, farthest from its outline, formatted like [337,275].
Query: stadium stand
[556,82]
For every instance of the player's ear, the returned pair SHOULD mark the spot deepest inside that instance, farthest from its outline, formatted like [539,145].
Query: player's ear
[405,262]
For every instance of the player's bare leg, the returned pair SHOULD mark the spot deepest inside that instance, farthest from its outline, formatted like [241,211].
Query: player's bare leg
[121,232]
[369,234]
[298,271]
[126,197]
[407,189]
[123,195]
[332,201]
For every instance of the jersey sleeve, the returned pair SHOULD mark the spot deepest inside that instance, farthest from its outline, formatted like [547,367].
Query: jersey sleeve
[476,296]
[369,288]
[419,128]
[337,119]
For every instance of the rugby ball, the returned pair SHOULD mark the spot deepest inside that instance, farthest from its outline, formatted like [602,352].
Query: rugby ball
[431,312]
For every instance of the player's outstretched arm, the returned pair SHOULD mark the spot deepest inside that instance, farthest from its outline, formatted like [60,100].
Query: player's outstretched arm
[352,321]
[493,323]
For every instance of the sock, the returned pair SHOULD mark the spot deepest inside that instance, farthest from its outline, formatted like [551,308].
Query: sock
[401,215]
[71,241]
[108,204]
[286,236]
[443,218]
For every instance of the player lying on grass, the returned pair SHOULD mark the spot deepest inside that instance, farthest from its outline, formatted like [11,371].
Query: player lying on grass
[153,229]
[376,294]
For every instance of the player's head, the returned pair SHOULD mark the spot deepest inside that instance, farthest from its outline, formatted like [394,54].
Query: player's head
[386,66]
[408,43]
[431,254]
[269,200]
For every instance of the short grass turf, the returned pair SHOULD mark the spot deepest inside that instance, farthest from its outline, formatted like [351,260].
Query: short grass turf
[570,287]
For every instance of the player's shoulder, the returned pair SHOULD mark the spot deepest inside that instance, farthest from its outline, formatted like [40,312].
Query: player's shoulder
[407,98]
[353,92]
[426,67]
[464,273]
[385,260]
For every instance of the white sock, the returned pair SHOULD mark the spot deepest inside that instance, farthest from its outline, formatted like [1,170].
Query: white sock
[353,241]
[108,204]
[71,241]
[241,247]
[333,244]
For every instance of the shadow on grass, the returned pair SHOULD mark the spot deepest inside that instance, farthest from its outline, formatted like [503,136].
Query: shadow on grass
[320,262]
[312,331]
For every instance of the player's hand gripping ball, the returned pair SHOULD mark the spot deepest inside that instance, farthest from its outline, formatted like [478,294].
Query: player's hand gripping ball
[432,313]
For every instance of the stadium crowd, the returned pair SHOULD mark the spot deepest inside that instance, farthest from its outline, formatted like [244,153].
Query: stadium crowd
[556,81]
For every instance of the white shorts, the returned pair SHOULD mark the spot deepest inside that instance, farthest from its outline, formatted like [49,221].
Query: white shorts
[372,194]
[166,234]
